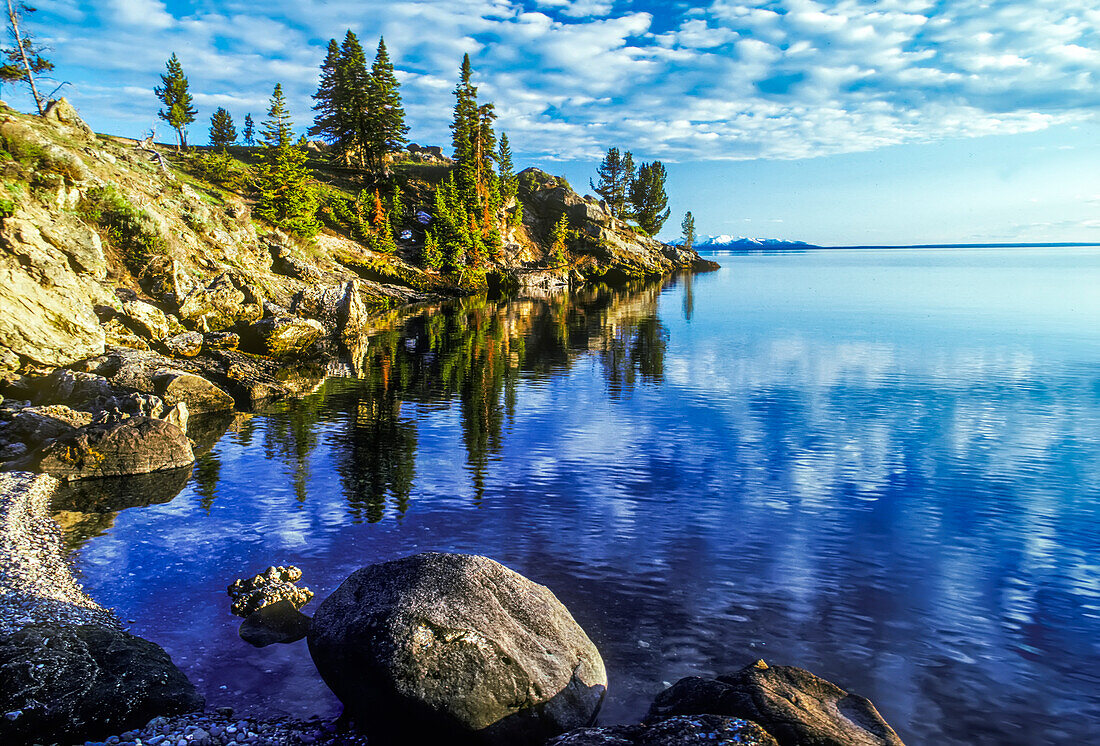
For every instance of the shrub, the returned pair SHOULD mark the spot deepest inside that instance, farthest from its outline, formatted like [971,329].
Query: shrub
[128,229]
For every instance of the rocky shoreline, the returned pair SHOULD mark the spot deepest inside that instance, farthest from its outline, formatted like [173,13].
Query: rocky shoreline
[450,637]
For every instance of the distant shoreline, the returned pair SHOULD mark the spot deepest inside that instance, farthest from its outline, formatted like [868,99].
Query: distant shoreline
[813,247]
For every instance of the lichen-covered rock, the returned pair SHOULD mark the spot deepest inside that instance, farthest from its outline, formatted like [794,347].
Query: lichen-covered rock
[227,300]
[694,730]
[792,704]
[339,308]
[175,387]
[63,113]
[145,319]
[137,445]
[187,344]
[283,337]
[221,340]
[72,683]
[456,647]
[273,585]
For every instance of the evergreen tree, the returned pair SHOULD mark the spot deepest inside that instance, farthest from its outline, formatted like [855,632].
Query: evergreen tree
[450,224]
[559,237]
[25,58]
[176,97]
[616,173]
[324,123]
[385,126]
[222,131]
[465,129]
[648,198]
[688,227]
[397,207]
[249,134]
[287,197]
[351,90]
[505,169]
[431,256]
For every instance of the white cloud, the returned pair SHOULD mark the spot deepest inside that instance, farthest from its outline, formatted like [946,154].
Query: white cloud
[730,79]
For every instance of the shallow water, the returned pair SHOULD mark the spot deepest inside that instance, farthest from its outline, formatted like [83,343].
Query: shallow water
[883,466]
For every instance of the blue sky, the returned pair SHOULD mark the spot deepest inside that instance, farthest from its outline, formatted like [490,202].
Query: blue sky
[897,121]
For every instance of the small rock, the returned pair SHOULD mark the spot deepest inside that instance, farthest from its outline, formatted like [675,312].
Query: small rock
[187,344]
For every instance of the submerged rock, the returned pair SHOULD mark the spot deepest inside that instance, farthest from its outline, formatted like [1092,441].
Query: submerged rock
[792,704]
[280,622]
[457,648]
[696,730]
[71,683]
[273,585]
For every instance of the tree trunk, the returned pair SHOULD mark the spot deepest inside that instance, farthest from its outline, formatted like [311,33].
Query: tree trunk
[23,54]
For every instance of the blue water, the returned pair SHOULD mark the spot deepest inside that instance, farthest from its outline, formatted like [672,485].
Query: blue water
[883,466]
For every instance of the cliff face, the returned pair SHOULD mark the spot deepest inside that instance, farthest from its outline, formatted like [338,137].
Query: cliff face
[105,243]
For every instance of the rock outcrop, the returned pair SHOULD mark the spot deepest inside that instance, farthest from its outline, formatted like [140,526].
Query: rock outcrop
[794,705]
[137,445]
[457,648]
[273,585]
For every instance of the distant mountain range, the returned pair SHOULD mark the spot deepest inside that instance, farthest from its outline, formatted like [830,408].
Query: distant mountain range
[724,242]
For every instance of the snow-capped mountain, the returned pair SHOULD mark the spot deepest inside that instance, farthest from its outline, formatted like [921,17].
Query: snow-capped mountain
[708,243]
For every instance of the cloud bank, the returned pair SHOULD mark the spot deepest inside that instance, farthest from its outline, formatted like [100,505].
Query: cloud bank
[784,79]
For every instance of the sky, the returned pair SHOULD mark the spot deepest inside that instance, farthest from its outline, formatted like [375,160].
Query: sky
[851,122]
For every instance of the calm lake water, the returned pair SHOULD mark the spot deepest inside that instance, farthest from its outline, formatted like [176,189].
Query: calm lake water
[883,466]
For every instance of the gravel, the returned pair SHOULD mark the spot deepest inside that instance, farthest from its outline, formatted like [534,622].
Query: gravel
[221,727]
[36,584]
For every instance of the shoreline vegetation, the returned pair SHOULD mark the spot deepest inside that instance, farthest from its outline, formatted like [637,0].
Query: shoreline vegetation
[151,294]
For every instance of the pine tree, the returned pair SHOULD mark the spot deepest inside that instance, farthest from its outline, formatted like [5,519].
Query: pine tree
[616,173]
[430,255]
[249,134]
[559,237]
[450,224]
[25,58]
[648,198]
[465,128]
[378,212]
[351,91]
[222,131]
[397,207]
[385,126]
[688,227]
[174,94]
[287,197]
[324,123]
[505,169]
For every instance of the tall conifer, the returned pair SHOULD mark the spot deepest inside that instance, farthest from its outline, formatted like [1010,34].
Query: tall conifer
[324,123]
[351,90]
[385,124]
[222,131]
[178,110]
[506,170]
[648,198]
[249,133]
[287,197]
[616,172]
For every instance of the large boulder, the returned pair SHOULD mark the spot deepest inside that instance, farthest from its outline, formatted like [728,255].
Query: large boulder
[794,705]
[683,730]
[62,113]
[145,319]
[200,396]
[62,683]
[339,307]
[456,648]
[227,300]
[137,445]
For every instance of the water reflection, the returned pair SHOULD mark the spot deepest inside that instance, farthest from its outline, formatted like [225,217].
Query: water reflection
[807,458]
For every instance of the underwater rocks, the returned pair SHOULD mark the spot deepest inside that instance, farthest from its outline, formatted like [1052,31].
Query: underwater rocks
[280,622]
[697,730]
[792,704]
[273,585]
[456,648]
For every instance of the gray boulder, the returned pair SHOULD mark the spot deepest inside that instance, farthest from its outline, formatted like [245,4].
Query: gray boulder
[794,705]
[137,445]
[66,684]
[62,113]
[456,647]
[695,730]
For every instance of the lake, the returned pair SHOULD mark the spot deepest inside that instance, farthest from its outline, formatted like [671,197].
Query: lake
[883,466]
